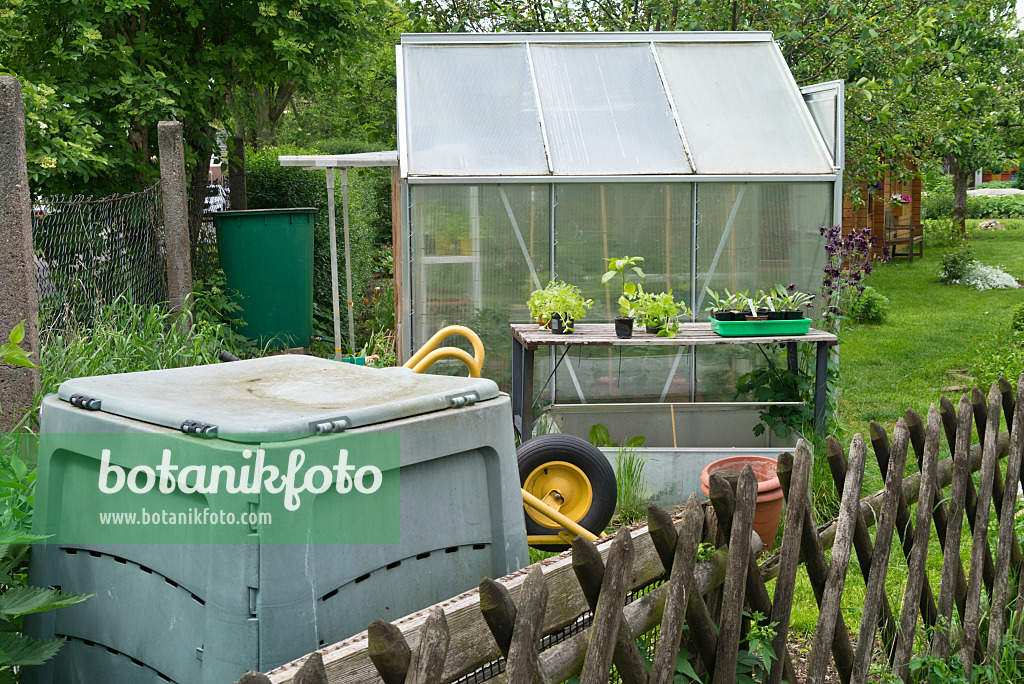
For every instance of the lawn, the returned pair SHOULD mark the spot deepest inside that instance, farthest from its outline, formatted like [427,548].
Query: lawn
[924,349]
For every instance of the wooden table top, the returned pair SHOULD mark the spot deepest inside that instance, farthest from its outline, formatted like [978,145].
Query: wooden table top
[532,336]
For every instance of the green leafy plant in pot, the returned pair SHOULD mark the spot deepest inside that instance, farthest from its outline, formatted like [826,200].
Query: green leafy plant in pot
[558,305]
[792,302]
[660,313]
[729,306]
[622,268]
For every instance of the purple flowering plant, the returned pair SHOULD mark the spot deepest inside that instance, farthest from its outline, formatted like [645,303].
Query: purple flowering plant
[848,262]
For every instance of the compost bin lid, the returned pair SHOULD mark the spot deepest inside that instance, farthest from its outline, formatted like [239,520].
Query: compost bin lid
[283,395]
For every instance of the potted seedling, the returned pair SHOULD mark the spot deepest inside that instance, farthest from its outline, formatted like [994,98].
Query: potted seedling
[792,302]
[727,307]
[659,313]
[765,307]
[622,268]
[558,305]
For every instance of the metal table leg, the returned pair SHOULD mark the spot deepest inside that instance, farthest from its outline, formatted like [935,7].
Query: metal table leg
[522,389]
[820,375]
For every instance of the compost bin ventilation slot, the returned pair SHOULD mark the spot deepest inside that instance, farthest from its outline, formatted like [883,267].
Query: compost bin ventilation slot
[331,594]
[362,578]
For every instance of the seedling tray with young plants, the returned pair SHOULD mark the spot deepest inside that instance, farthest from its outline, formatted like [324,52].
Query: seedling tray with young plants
[798,326]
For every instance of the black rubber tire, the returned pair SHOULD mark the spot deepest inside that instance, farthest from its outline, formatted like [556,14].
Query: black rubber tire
[585,456]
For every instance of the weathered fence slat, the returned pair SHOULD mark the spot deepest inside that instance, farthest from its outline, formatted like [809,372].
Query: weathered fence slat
[980,419]
[949,418]
[782,601]
[954,531]
[972,616]
[1007,534]
[940,513]
[735,578]
[723,501]
[388,651]
[702,627]
[677,595]
[831,600]
[608,614]
[589,569]
[524,647]
[904,524]
[314,672]
[917,574]
[883,543]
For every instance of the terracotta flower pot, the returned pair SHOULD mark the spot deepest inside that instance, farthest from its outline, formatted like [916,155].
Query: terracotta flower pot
[768,510]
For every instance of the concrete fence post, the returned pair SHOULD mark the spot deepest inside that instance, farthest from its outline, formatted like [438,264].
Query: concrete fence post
[175,213]
[18,296]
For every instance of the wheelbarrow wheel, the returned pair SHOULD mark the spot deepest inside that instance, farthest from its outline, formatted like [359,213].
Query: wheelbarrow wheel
[570,474]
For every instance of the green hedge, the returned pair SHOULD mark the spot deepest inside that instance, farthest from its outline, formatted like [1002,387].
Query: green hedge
[271,186]
[940,205]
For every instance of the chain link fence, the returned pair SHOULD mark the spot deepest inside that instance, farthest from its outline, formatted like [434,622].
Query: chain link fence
[89,251]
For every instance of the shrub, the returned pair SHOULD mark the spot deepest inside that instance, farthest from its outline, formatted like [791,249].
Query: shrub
[941,232]
[955,263]
[979,276]
[871,307]
[939,205]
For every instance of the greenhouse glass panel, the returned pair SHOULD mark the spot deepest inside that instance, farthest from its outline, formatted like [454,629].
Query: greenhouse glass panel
[475,111]
[606,111]
[752,236]
[594,222]
[740,109]
[478,253]
[823,110]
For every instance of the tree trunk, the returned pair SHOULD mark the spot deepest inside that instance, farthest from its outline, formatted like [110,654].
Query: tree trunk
[960,177]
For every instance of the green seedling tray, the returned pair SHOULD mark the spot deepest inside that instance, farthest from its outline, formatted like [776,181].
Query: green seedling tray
[798,326]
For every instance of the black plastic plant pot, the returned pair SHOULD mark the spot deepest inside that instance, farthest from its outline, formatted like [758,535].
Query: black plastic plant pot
[624,328]
[730,316]
[794,315]
[776,315]
[653,329]
[560,327]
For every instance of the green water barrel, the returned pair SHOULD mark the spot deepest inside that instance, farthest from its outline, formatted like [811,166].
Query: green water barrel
[267,257]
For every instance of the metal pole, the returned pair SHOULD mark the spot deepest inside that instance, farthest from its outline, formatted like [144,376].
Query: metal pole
[348,260]
[334,264]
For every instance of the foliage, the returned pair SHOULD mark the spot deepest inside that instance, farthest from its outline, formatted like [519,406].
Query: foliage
[629,483]
[979,276]
[17,496]
[17,600]
[269,186]
[128,337]
[770,384]
[11,351]
[848,261]
[940,205]
[899,200]
[788,298]
[941,232]
[661,310]
[121,66]
[955,263]
[1017,321]
[871,307]
[622,267]
[705,552]
[727,301]
[560,298]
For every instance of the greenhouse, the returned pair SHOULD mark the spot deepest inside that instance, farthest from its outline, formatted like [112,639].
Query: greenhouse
[530,157]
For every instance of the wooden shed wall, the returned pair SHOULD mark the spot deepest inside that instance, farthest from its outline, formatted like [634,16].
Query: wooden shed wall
[871,213]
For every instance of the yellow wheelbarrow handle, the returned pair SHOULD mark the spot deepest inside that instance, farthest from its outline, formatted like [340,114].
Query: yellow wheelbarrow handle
[428,354]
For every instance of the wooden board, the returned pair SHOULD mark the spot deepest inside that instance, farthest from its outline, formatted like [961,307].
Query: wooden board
[532,336]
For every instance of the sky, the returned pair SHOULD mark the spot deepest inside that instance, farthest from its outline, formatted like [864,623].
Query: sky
[1020,11]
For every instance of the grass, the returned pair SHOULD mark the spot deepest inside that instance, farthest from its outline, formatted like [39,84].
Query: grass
[926,348]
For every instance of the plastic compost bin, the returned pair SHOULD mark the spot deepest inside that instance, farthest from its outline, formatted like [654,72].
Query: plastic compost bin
[206,613]
[267,257]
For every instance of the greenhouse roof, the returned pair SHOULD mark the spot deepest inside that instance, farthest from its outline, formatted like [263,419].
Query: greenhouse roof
[606,104]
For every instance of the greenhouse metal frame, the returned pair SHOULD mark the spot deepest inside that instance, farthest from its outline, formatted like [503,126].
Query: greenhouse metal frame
[526,157]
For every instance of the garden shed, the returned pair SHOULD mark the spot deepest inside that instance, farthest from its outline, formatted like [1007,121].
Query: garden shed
[526,157]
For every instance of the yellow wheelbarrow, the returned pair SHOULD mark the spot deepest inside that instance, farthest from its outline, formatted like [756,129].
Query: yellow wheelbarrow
[568,485]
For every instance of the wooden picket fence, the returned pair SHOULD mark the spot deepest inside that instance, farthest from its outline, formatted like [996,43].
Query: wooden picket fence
[648,582]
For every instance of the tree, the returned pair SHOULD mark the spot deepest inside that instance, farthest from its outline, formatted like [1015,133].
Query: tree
[123,65]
